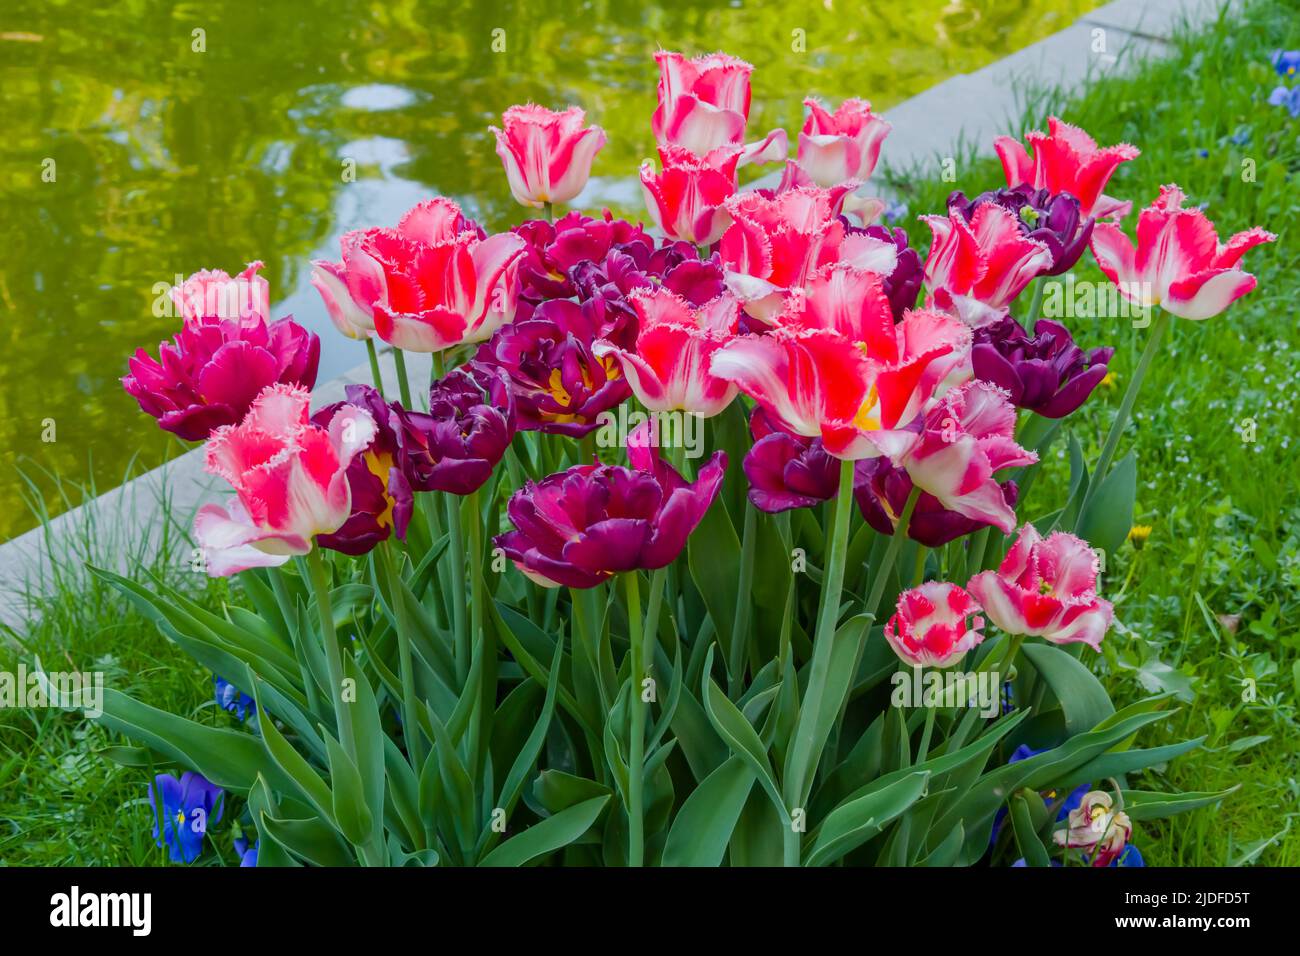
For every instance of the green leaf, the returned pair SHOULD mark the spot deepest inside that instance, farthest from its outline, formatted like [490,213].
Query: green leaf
[1083,700]
[310,839]
[549,835]
[349,802]
[703,826]
[713,553]
[740,736]
[1022,822]
[292,765]
[1109,517]
[854,822]
[1148,805]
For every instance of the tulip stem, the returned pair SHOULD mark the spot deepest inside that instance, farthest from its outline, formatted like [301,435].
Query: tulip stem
[410,723]
[320,581]
[456,553]
[403,383]
[744,602]
[487,700]
[1031,317]
[373,355]
[549,207]
[1121,417]
[636,746]
[437,369]
[891,553]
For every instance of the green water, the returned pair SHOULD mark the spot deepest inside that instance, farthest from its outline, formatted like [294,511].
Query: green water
[166,160]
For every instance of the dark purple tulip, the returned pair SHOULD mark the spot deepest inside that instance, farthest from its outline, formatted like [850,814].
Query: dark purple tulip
[213,368]
[559,385]
[787,471]
[580,527]
[1054,220]
[902,285]
[468,427]
[1047,374]
[881,490]
[381,495]
[555,249]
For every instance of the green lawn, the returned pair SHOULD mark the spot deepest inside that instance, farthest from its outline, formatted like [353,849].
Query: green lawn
[1210,601]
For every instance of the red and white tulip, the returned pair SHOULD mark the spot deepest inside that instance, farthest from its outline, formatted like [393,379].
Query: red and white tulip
[1066,159]
[547,155]
[839,146]
[687,197]
[934,625]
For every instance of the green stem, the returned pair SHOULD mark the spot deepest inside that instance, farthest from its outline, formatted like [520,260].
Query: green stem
[454,555]
[891,553]
[410,720]
[1031,316]
[437,369]
[373,355]
[403,383]
[549,207]
[487,698]
[923,750]
[320,582]
[744,604]
[1125,409]
[587,448]
[636,746]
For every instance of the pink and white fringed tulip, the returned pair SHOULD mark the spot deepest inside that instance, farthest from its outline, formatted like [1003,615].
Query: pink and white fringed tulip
[778,244]
[934,625]
[975,270]
[289,477]
[350,288]
[1178,263]
[704,105]
[967,438]
[1095,826]
[1046,588]
[835,147]
[213,293]
[547,155]
[669,369]
[687,198]
[1066,159]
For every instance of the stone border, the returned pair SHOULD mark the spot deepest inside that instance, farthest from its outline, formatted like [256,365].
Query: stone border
[978,106]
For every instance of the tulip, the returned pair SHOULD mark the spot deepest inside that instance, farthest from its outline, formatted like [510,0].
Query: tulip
[289,476]
[553,250]
[882,488]
[976,269]
[350,288]
[779,243]
[967,437]
[559,385]
[190,806]
[1093,825]
[382,501]
[669,368]
[468,427]
[1178,262]
[903,282]
[582,526]
[212,292]
[547,155]
[1067,160]
[934,625]
[1046,373]
[687,198]
[839,146]
[1053,220]
[213,369]
[787,471]
[1046,588]
[704,105]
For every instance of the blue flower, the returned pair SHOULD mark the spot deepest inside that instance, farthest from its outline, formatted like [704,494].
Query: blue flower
[1290,99]
[895,211]
[1129,856]
[231,698]
[247,854]
[189,806]
[1286,62]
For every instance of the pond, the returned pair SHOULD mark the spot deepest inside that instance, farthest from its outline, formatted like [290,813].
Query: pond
[143,140]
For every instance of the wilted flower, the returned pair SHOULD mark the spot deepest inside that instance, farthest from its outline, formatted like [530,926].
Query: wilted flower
[290,481]
[231,699]
[580,527]
[468,427]
[1046,588]
[382,502]
[787,471]
[1178,262]
[1067,160]
[547,155]
[1052,219]
[881,489]
[1096,827]
[1046,373]
[839,146]
[190,806]
[934,625]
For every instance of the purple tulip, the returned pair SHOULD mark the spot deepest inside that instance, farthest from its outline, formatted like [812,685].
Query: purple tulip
[1047,374]
[381,495]
[468,427]
[787,471]
[580,527]
[559,386]
[881,490]
[1054,220]
[213,368]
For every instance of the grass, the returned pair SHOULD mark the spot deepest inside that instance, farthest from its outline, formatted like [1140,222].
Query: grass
[1210,601]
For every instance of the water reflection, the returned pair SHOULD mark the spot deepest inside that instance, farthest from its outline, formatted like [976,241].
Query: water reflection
[145,139]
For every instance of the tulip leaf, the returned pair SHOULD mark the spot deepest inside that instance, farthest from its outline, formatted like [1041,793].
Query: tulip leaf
[551,834]
[1022,822]
[349,804]
[713,553]
[1106,523]
[1083,700]
[310,838]
[1149,805]
[704,824]
[740,736]
[292,764]
[854,822]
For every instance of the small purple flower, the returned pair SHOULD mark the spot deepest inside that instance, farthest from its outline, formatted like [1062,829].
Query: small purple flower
[247,854]
[190,806]
[904,282]
[1288,98]
[787,471]
[580,527]
[469,426]
[1047,374]
[894,211]
[233,700]
[1286,62]
[881,490]
[1054,220]
[382,502]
